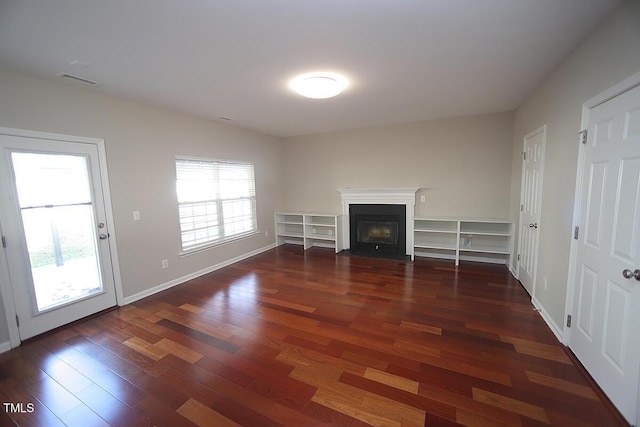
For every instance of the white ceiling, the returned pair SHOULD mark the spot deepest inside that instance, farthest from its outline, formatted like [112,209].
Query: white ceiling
[407,60]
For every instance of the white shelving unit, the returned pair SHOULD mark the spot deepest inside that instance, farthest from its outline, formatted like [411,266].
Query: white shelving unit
[467,239]
[436,238]
[289,228]
[309,229]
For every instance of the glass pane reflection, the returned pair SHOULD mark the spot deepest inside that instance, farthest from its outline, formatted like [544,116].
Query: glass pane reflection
[58,220]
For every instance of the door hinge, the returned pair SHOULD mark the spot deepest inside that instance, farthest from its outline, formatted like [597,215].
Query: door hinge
[524,155]
[576,232]
[17,321]
[521,208]
[4,242]
[568,320]
[584,133]
[518,257]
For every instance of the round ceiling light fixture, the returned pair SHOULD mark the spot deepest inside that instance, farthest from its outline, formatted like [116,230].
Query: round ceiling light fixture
[319,85]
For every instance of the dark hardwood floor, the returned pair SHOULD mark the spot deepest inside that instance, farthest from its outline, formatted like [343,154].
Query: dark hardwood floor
[305,338]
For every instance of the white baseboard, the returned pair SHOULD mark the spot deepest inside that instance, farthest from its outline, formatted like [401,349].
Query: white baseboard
[183,279]
[513,272]
[557,331]
[5,346]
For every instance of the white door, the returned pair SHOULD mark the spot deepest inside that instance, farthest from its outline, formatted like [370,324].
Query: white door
[530,205]
[56,235]
[606,297]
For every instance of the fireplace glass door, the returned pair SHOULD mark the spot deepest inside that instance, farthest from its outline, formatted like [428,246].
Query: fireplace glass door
[378,232]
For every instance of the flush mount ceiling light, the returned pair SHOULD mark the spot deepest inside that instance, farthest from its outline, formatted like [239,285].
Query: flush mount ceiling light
[319,85]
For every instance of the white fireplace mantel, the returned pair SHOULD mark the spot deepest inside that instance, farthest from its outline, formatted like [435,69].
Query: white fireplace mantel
[390,196]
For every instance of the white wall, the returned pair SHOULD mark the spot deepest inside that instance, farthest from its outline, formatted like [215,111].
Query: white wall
[141,145]
[609,55]
[463,165]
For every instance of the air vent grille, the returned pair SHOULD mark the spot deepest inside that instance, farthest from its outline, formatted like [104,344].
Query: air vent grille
[78,79]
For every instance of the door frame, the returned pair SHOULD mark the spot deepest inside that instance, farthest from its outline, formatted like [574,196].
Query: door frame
[541,130]
[6,289]
[617,89]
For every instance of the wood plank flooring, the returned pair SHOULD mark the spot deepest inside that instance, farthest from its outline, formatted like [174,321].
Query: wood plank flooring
[309,338]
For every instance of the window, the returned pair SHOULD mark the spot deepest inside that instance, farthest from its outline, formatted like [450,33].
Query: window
[216,201]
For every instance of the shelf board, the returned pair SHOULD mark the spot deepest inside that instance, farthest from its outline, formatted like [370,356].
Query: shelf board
[435,230]
[435,225]
[502,229]
[435,246]
[320,237]
[297,242]
[485,233]
[486,249]
[300,235]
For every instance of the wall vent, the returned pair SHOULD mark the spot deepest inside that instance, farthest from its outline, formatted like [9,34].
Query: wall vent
[78,79]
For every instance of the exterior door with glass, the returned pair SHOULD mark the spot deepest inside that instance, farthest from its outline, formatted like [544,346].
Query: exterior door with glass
[56,235]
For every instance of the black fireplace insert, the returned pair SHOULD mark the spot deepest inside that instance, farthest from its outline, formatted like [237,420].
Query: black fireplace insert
[378,230]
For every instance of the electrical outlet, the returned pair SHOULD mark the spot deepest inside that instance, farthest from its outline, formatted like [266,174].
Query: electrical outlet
[136,215]
[165,263]
[423,198]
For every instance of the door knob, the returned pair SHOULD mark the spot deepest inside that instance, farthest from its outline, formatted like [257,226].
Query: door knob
[103,236]
[628,274]
[534,225]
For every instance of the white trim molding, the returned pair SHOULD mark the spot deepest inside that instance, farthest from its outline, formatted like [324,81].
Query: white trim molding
[388,196]
[5,346]
[557,330]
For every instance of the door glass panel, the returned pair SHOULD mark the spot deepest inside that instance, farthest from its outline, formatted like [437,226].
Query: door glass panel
[54,196]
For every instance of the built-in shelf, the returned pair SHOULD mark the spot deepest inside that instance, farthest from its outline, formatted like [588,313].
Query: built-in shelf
[309,229]
[484,240]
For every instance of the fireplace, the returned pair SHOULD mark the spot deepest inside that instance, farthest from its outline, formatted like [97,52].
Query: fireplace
[398,197]
[378,229]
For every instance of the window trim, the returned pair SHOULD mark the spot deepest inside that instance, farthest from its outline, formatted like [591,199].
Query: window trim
[223,240]
[220,242]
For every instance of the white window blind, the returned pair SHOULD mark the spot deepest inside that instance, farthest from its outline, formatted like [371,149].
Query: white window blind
[216,200]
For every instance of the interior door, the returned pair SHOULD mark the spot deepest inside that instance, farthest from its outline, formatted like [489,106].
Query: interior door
[606,298]
[530,205]
[55,231]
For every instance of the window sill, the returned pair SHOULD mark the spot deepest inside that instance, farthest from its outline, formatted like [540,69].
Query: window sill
[217,243]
